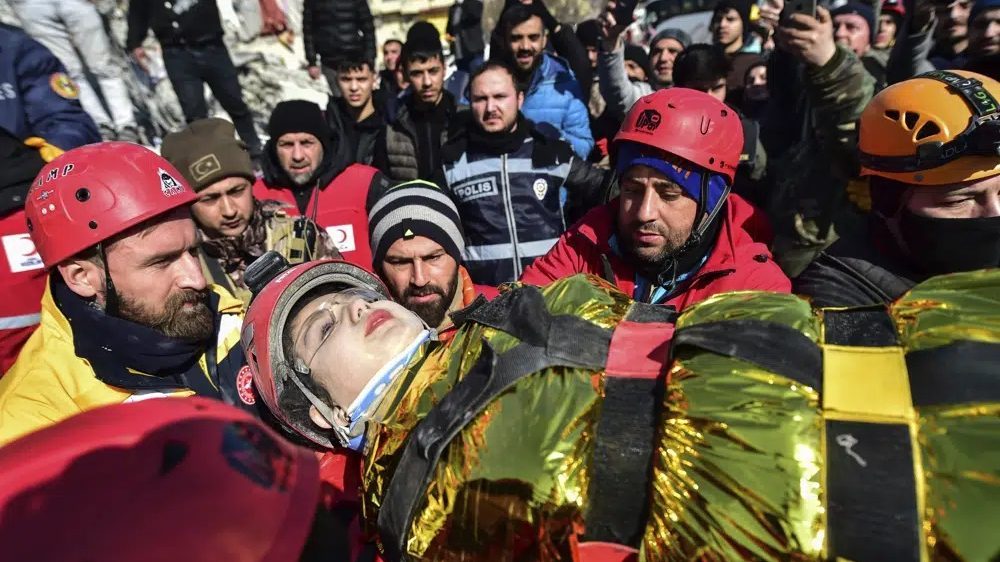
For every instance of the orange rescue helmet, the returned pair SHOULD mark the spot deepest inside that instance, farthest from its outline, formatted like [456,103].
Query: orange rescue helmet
[938,128]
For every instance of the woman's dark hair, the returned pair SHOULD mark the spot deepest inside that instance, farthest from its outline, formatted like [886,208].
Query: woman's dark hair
[699,64]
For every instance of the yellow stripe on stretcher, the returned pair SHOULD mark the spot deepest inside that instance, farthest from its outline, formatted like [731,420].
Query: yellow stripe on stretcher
[866,384]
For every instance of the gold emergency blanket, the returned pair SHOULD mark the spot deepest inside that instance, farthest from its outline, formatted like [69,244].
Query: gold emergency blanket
[739,471]
[513,484]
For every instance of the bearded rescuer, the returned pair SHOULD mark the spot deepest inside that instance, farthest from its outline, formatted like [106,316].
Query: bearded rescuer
[930,147]
[127,313]
[675,235]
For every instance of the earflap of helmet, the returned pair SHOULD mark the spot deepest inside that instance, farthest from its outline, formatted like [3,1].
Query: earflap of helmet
[290,387]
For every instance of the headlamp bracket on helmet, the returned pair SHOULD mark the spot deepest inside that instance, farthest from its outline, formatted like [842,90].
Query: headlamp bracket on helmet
[980,138]
[262,270]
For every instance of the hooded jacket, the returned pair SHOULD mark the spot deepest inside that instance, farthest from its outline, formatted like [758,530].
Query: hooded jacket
[554,96]
[61,371]
[737,262]
[335,200]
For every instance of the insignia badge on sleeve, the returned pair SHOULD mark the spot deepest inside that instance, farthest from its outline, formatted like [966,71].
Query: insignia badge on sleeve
[64,86]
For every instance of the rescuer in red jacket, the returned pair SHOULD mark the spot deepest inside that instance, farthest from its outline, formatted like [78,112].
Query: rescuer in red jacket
[675,235]
[306,167]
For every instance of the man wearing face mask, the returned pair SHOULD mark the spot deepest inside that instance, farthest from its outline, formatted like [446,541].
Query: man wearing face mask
[929,147]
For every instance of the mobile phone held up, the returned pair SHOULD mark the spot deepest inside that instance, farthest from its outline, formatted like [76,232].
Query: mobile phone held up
[623,11]
[807,7]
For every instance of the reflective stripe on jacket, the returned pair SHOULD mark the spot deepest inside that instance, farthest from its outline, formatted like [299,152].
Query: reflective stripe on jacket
[510,209]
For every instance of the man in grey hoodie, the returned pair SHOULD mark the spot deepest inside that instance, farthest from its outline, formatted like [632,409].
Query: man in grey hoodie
[619,92]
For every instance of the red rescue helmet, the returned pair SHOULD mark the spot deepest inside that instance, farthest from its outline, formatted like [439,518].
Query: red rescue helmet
[263,336]
[689,124]
[159,480]
[91,193]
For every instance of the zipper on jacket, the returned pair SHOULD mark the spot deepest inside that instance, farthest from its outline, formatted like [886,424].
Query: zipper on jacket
[508,208]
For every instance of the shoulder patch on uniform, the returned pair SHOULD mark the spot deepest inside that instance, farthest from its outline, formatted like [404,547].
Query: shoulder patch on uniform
[63,85]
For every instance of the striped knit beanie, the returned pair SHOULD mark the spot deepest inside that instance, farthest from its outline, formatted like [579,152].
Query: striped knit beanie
[414,208]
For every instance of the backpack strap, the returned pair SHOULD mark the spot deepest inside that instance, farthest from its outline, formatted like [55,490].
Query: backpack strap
[618,500]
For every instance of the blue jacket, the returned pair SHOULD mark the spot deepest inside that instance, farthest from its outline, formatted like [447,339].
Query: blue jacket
[554,97]
[37,97]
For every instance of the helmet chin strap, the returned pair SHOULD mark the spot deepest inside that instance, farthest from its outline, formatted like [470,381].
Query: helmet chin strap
[111,300]
[668,275]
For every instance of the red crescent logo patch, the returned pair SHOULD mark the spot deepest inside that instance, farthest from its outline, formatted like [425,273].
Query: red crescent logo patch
[244,386]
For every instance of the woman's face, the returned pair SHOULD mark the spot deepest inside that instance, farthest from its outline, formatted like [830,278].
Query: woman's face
[345,338]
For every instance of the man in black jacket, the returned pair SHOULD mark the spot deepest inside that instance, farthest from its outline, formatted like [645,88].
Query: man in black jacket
[190,33]
[516,184]
[334,31]
[410,147]
[356,117]
[465,26]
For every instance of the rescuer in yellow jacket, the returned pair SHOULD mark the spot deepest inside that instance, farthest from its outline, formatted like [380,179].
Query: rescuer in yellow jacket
[127,313]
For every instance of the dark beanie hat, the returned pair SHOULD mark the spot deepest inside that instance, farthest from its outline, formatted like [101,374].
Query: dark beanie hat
[638,55]
[414,208]
[589,33]
[298,116]
[861,9]
[422,36]
[674,33]
[207,151]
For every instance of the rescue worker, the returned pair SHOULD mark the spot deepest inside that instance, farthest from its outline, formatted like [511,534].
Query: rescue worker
[675,235]
[305,167]
[40,117]
[929,149]
[245,493]
[21,271]
[39,98]
[517,185]
[417,244]
[127,313]
[235,227]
